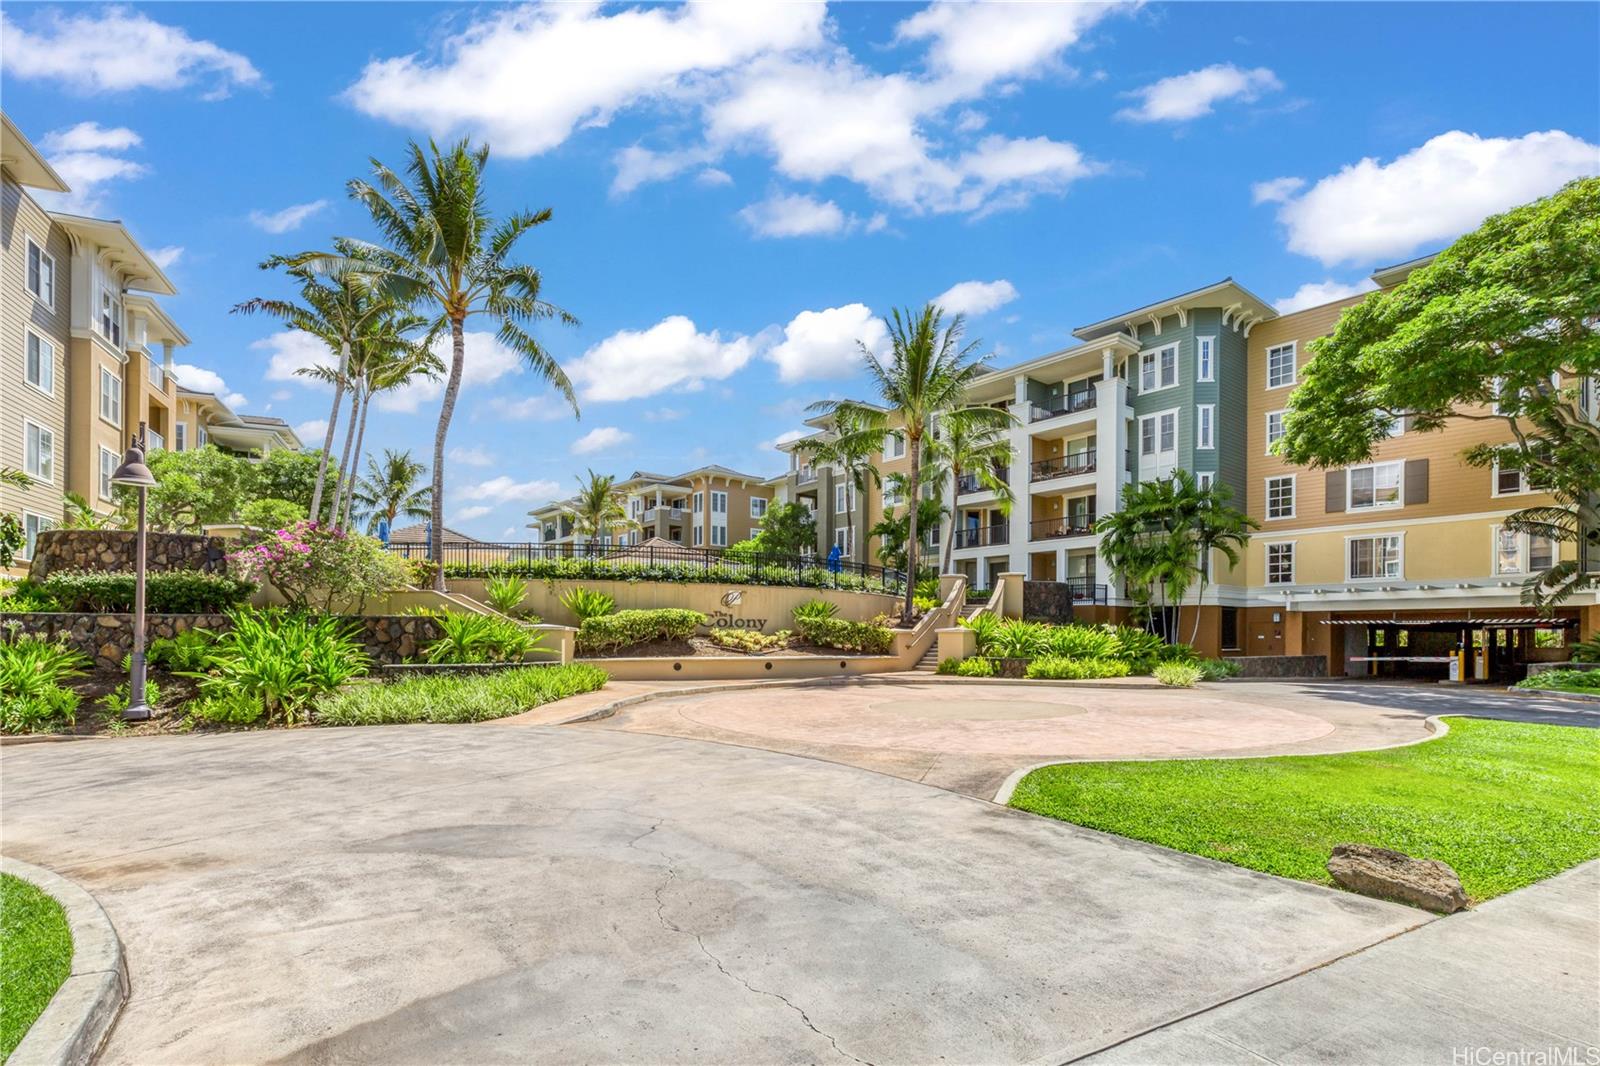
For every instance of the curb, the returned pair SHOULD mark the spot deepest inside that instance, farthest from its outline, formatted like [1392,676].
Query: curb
[79,1017]
[1556,693]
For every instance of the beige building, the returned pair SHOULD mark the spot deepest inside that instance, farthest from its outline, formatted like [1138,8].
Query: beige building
[707,507]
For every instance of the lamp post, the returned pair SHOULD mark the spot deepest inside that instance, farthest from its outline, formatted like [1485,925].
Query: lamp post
[135,475]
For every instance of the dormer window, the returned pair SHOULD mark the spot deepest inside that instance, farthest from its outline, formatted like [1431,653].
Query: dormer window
[109,322]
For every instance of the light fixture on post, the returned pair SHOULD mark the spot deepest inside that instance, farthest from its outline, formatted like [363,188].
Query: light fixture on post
[135,475]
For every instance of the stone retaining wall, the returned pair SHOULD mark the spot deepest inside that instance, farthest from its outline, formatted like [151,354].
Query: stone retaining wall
[1535,669]
[106,638]
[113,549]
[1048,601]
[1281,665]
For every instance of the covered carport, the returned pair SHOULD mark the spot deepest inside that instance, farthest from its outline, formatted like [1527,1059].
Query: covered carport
[1491,649]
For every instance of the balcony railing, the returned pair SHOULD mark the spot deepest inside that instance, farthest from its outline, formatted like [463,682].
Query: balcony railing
[671,514]
[967,484]
[158,376]
[1071,403]
[157,441]
[983,536]
[1077,524]
[1068,465]
[806,476]
[1086,590]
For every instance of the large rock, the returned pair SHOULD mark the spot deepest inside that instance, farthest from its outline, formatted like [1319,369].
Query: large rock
[1373,871]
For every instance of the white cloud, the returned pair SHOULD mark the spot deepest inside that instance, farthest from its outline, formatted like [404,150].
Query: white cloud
[115,49]
[713,176]
[783,438]
[503,489]
[1316,293]
[287,219]
[970,120]
[973,44]
[542,407]
[470,456]
[664,414]
[87,158]
[202,380]
[289,351]
[90,137]
[467,514]
[976,297]
[670,354]
[794,215]
[1188,96]
[525,78]
[638,166]
[167,256]
[1275,191]
[827,343]
[312,431]
[1372,210]
[599,439]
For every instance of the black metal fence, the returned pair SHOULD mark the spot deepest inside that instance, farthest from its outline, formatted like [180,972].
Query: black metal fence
[650,561]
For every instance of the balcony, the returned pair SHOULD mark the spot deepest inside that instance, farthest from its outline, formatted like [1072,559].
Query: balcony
[983,536]
[158,376]
[1077,524]
[1069,404]
[968,484]
[806,476]
[1069,465]
[156,441]
[671,514]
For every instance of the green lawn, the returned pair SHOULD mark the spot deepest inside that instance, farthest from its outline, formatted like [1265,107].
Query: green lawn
[1506,804]
[457,697]
[35,957]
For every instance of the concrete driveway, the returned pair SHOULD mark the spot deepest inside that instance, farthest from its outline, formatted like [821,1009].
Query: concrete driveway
[479,894]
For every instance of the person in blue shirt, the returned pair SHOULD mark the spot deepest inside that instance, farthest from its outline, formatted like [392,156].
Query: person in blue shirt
[834,557]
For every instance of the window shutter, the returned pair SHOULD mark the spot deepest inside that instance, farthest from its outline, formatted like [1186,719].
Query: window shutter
[1333,493]
[1416,481]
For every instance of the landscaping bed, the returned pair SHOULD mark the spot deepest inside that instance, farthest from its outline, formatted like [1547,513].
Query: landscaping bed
[35,957]
[1504,803]
[698,645]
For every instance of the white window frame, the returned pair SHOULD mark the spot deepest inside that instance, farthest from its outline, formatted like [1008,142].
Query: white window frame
[36,470]
[1266,560]
[47,363]
[758,507]
[1293,348]
[1350,488]
[47,265]
[719,536]
[1151,360]
[1205,478]
[1400,556]
[180,436]
[109,305]
[699,502]
[1524,564]
[1205,426]
[894,446]
[719,502]
[40,524]
[841,499]
[699,536]
[1271,440]
[1205,358]
[116,397]
[108,466]
[1161,417]
[845,538]
[1294,497]
[1522,480]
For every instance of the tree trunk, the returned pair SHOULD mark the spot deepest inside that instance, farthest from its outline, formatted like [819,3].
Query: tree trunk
[914,488]
[361,436]
[327,438]
[344,458]
[452,386]
[950,541]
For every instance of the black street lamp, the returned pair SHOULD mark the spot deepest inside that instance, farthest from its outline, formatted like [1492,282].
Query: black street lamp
[135,475]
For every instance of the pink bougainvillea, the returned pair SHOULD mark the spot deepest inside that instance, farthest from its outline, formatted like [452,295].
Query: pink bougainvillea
[313,565]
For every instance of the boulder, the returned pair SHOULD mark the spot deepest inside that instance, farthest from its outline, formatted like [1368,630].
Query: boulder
[1373,871]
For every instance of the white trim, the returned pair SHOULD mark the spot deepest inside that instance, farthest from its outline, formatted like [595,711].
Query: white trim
[1205,370]
[764,502]
[104,490]
[44,257]
[1280,413]
[24,553]
[54,457]
[1205,478]
[1349,487]
[1389,522]
[47,361]
[105,372]
[1524,552]
[1294,496]
[1294,364]
[1494,483]
[1400,556]
[1266,562]
[1158,387]
[1205,427]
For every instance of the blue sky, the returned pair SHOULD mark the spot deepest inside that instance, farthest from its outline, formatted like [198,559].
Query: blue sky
[739,190]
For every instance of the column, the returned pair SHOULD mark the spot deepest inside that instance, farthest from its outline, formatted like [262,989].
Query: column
[1111,445]
[1021,521]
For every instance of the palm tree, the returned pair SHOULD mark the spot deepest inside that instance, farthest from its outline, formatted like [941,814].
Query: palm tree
[853,454]
[926,376]
[387,368]
[982,448]
[442,249]
[893,530]
[600,508]
[336,311]
[390,490]
[1217,527]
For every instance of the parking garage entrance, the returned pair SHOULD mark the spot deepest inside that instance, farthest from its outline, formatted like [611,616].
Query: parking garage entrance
[1487,649]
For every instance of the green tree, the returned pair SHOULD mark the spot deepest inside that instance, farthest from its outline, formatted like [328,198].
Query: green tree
[926,376]
[894,531]
[787,529]
[195,488]
[269,512]
[288,475]
[441,249]
[1501,328]
[391,490]
[854,455]
[600,508]
[981,449]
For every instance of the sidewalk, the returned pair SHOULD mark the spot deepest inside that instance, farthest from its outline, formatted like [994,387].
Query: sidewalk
[1519,975]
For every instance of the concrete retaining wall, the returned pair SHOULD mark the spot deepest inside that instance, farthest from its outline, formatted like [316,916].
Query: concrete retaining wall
[1281,665]
[114,549]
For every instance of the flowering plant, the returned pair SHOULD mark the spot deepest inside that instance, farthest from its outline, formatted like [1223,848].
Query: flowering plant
[313,565]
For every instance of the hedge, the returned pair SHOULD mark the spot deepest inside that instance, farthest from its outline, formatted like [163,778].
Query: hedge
[608,632]
[1056,667]
[812,577]
[166,591]
[846,635]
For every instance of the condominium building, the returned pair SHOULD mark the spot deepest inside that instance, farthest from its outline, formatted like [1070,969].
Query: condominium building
[88,350]
[708,507]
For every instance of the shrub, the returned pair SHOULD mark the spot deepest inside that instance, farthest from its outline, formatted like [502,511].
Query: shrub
[1135,645]
[1057,668]
[116,701]
[1176,653]
[588,603]
[1014,639]
[269,512]
[25,597]
[984,628]
[748,640]
[949,666]
[166,591]
[185,652]
[839,633]
[1557,679]
[730,572]
[32,695]
[625,629]
[924,604]
[420,572]
[814,611]
[976,668]
[479,638]
[1217,669]
[1081,642]
[470,698]
[505,593]
[928,589]
[280,660]
[1178,674]
[1587,651]
[232,708]
[314,565]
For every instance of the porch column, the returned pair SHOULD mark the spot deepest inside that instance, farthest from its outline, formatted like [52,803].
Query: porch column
[1021,521]
[1111,446]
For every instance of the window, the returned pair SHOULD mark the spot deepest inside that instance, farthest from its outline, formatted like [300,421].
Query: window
[1274,429]
[894,446]
[41,275]
[1230,628]
[32,526]
[841,499]
[1168,428]
[892,497]
[1374,486]
[1205,359]
[1205,479]
[108,466]
[1396,427]
[719,536]
[719,503]
[758,507]
[41,364]
[699,536]
[1280,497]
[845,539]
[1158,368]
[1147,436]
[1205,430]
[699,502]
[110,321]
[38,451]
[1280,365]
[180,436]
[1374,557]
[200,436]
[1520,553]
[110,397]
[1280,564]
[1508,480]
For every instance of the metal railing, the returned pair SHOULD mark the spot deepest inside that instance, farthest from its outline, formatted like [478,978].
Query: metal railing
[1071,403]
[806,476]
[1067,465]
[1079,524]
[636,562]
[967,484]
[1085,590]
[673,514]
[158,376]
[983,536]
